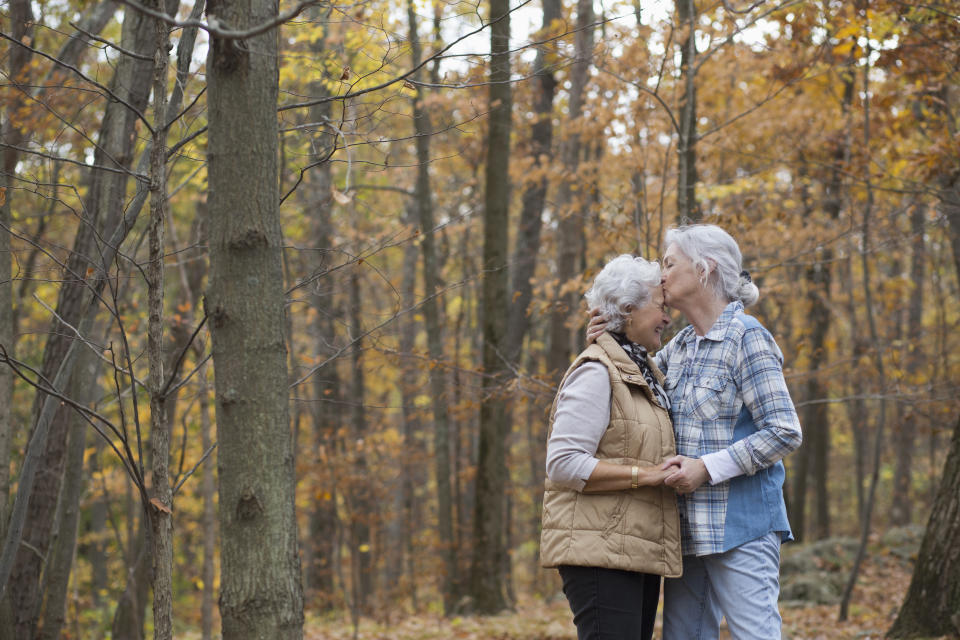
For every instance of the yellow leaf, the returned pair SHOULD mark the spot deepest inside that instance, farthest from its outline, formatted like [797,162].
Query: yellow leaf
[843,48]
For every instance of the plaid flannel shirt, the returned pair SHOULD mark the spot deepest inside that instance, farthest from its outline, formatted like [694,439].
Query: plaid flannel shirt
[736,366]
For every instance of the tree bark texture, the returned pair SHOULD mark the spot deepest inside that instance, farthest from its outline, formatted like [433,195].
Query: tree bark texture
[932,605]
[161,501]
[487,580]
[261,595]
[57,573]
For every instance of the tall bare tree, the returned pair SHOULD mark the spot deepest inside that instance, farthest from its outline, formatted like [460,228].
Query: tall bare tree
[423,204]
[571,200]
[261,594]
[487,579]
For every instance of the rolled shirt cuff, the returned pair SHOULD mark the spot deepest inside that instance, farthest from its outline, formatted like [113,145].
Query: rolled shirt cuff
[721,466]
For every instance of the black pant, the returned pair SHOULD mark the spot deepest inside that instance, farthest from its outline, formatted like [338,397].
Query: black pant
[610,603]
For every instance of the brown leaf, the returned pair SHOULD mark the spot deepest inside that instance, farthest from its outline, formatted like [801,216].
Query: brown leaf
[159,505]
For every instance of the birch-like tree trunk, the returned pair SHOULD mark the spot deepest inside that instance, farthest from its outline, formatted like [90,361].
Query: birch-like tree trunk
[260,590]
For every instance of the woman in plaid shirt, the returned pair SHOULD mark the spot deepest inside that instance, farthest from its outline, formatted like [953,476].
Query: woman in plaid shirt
[734,421]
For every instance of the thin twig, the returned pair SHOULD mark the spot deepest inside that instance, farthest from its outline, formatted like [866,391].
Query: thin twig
[126,52]
[206,454]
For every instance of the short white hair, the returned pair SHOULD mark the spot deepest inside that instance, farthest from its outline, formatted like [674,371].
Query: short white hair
[707,243]
[624,284]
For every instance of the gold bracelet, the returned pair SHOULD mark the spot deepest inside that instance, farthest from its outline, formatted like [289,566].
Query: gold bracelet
[635,477]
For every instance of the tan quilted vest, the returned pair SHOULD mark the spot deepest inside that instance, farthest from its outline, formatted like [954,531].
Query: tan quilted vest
[635,529]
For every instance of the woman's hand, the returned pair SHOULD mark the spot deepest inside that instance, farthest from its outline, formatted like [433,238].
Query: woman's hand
[597,325]
[685,474]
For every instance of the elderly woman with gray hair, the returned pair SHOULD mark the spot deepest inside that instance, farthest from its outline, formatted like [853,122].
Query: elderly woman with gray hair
[609,524]
[734,421]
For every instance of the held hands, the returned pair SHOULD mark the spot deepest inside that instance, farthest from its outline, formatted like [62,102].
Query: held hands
[597,325]
[685,474]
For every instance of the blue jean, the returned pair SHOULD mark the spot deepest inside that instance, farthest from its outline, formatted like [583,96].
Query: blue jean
[742,584]
[610,604]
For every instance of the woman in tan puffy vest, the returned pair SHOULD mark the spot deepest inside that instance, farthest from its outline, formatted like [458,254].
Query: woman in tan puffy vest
[609,524]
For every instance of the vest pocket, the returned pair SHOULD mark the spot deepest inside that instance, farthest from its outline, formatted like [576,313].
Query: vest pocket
[613,520]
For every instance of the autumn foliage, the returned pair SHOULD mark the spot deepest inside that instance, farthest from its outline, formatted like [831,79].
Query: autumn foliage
[824,137]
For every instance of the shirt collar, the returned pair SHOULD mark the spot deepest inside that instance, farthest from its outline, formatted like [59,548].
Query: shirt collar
[720,326]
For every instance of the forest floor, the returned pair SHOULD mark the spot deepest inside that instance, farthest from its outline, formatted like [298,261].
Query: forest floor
[813,577]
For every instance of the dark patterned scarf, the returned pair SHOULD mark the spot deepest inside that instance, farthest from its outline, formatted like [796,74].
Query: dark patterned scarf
[638,353]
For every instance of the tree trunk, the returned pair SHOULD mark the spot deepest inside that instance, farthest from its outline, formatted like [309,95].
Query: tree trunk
[160,508]
[105,205]
[489,549]
[326,413]
[21,21]
[21,26]
[359,495]
[57,574]
[527,244]
[423,202]
[904,437]
[411,458]
[260,591]
[570,235]
[878,345]
[129,616]
[932,605]
[687,206]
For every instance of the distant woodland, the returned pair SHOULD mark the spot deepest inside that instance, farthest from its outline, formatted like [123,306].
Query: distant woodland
[286,290]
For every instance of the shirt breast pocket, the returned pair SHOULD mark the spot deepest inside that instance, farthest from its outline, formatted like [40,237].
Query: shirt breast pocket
[708,396]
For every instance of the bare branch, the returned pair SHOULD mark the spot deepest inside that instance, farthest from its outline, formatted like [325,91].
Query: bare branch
[126,52]
[86,78]
[133,174]
[212,26]
[405,75]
